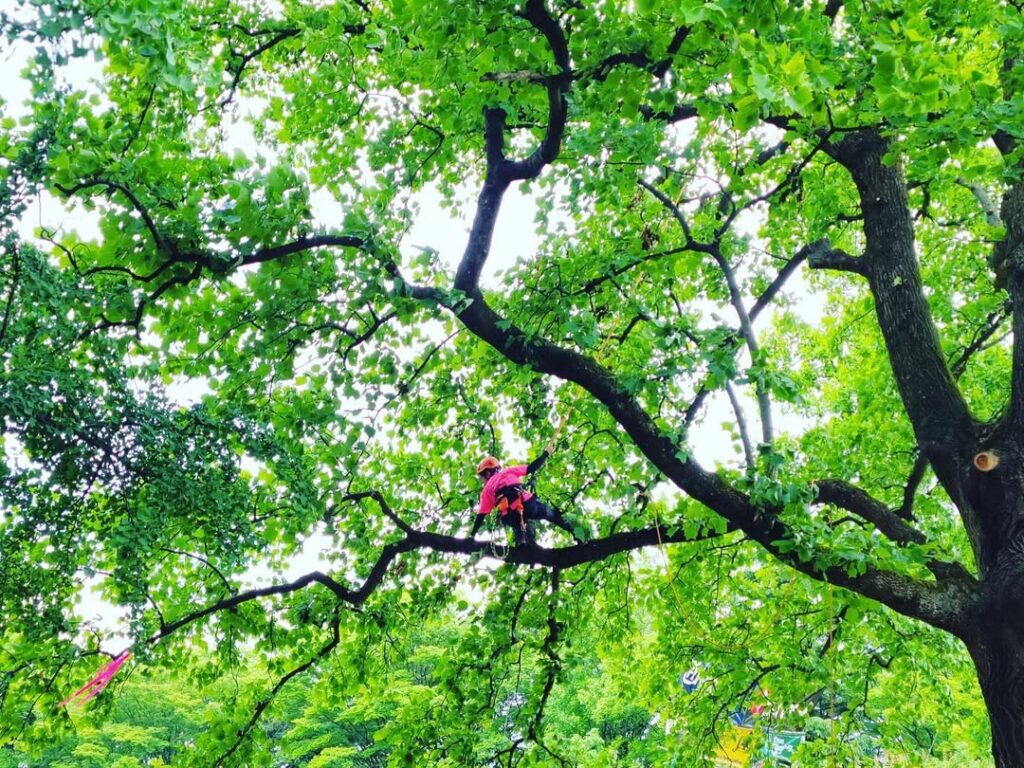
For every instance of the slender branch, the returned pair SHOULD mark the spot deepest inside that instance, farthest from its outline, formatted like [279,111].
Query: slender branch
[553,663]
[993,322]
[244,61]
[677,214]
[695,405]
[384,507]
[404,386]
[808,252]
[254,594]
[987,206]
[639,59]
[906,510]
[16,272]
[162,244]
[321,654]
[735,298]
[227,584]
[138,123]
[741,423]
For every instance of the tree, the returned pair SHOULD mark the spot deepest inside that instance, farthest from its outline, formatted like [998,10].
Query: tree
[255,175]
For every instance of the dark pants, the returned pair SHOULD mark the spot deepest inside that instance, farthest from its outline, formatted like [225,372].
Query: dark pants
[534,510]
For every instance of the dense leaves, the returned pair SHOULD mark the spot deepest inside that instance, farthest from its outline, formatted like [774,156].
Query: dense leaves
[275,277]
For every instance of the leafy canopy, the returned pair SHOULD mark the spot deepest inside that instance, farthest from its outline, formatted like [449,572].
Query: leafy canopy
[228,346]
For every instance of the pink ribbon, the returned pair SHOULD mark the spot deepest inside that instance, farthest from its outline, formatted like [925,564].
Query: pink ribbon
[93,688]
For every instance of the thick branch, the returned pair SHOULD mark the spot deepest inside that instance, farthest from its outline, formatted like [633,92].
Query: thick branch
[302,244]
[1009,257]
[841,494]
[537,14]
[943,605]
[500,171]
[937,412]
[835,258]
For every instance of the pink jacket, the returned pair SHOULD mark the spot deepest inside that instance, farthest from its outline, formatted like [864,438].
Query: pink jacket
[505,477]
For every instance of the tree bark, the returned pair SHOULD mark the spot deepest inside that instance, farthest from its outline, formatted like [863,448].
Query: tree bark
[998,654]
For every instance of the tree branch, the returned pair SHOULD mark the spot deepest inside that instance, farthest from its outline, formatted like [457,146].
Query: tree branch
[279,36]
[798,258]
[940,604]
[841,494]
[558,86]
[500,171]
[266,701]
[741,423]
[15,274]
[982,196]
[906,510]
[735,298]
[937,412]
[1009,256]
[384,507]
[163,245]
[835,258]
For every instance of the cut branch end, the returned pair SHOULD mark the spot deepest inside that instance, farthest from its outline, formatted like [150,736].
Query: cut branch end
[986,461]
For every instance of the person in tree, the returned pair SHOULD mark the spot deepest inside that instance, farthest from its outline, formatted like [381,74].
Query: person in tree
[503,490]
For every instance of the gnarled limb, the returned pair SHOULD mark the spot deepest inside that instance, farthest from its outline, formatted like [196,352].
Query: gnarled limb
[501,171]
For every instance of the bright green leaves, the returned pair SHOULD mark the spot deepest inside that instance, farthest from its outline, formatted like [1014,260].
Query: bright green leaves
[196,399]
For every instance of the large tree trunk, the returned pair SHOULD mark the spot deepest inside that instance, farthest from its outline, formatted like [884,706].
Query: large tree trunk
[998,655]
[994,631]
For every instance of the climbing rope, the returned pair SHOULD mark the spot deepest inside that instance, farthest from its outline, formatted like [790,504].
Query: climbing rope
[829,672]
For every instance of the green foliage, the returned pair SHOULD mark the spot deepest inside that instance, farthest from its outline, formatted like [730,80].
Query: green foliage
[228,330]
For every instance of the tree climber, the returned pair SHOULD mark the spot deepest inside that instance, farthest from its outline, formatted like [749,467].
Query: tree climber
[503,490]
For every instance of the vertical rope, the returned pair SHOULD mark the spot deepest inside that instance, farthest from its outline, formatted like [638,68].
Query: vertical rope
[829,670]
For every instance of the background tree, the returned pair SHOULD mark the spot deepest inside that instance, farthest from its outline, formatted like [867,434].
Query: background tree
[255,176]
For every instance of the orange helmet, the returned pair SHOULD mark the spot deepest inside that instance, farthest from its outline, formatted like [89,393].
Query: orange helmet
[489,462]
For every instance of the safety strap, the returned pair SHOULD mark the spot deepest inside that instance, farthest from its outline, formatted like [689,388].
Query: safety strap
[509,497]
